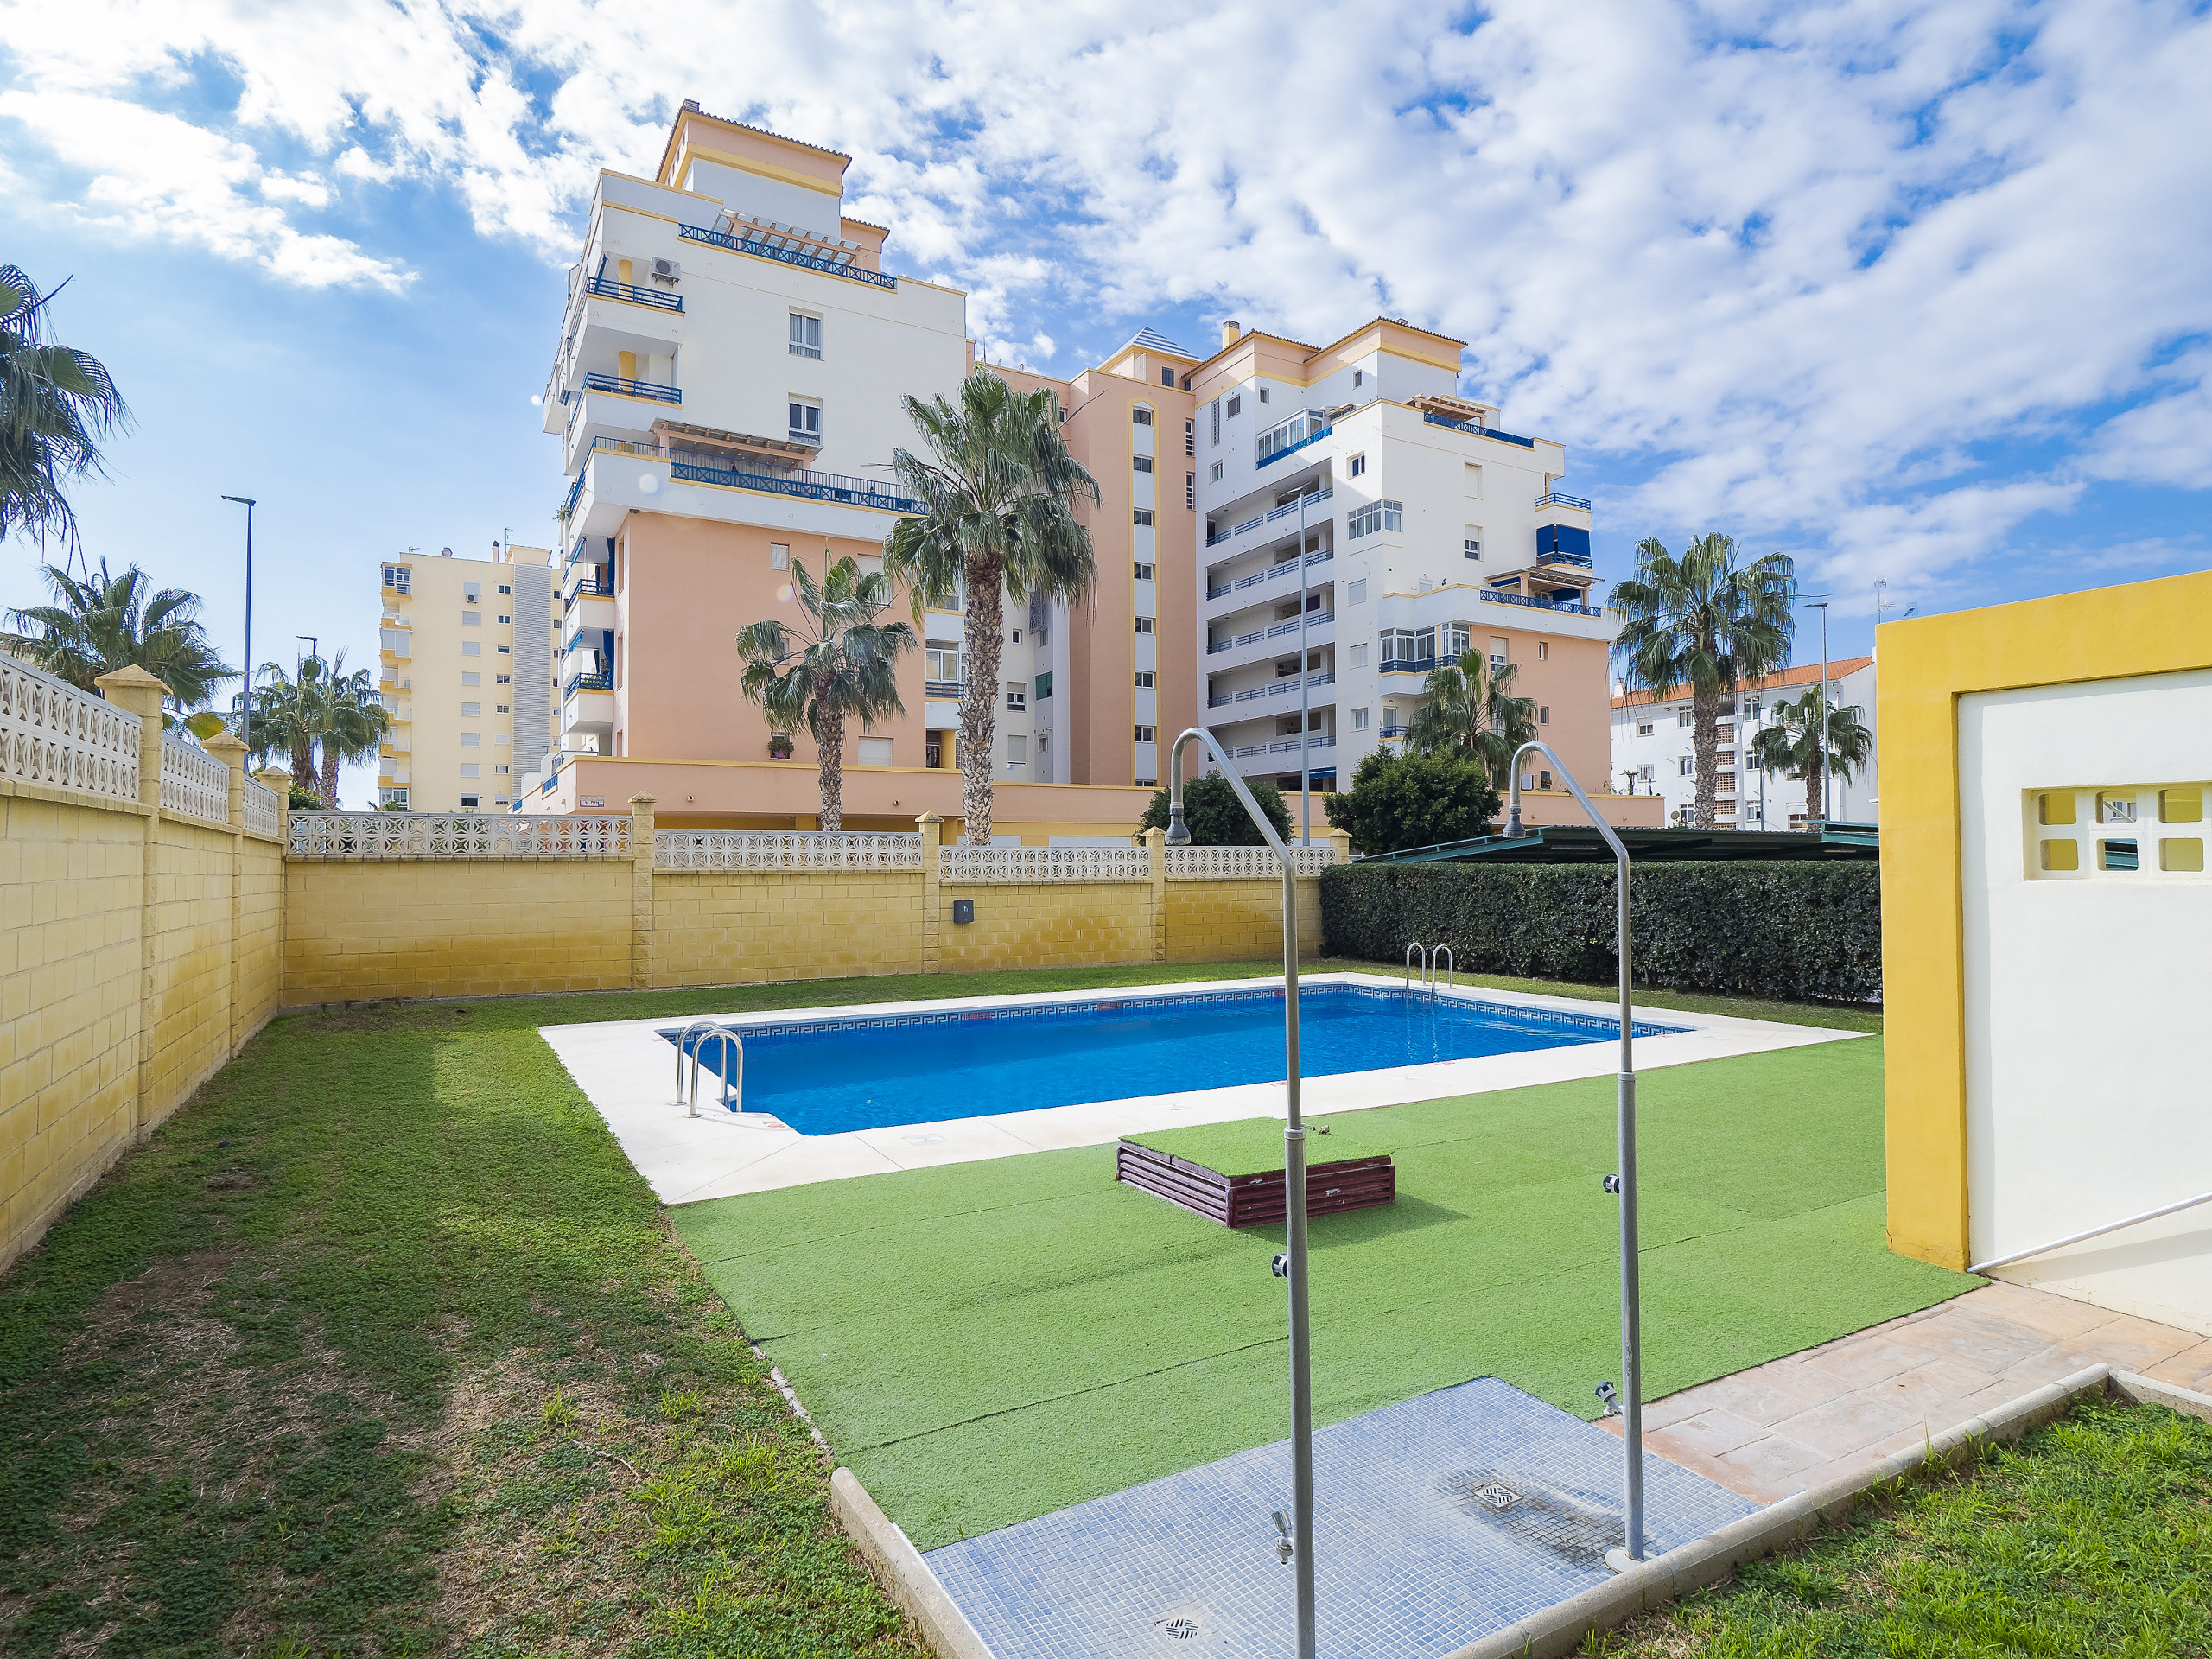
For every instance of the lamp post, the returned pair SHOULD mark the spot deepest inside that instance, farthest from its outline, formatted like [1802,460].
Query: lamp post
[1290,1265]
[1631,1392]
[1821,732]
[245,669]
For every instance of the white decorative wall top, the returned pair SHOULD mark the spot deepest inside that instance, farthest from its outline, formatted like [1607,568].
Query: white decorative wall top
[779,849]
[264,811]
[462,835]
[1243,863]
[1043,864]
[54,735]
[195,783]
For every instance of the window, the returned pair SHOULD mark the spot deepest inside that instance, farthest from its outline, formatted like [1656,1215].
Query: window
[779,555]
[1643,728]
[1217,425]
[496,679]
[1145,624]
[468,769]
[500,739]
[1473,481]
[472,740]
[1359,719]
[472,618]
[1017,693]
[1750,760]
[941,663]
[1143,571]
[1139,416]
[1456,639]
[468,802]
[1356,593]
[1751,709]
[472,590]
[1213,473]
[1190,437]
[500,708]
[1141,463]
[1236,405]
[1683,717]
[1543,650]
[1543,714]
[1359,377]
[1146,679]
[504,589]
[1398,647]
[505,650]
[1147,734]
[503,772]
[1044,687]
[805,420]
[1357,467]
[1471,543]
[1377,515]
[471,647]
[396,577]
[1017,750]
[1167,376]
[1359,655]
[1017,636]
[471,710]
[875,752]
[1191,491]
[1144,515]
[806,335]
[506,621]
[1686,767]
[471,677]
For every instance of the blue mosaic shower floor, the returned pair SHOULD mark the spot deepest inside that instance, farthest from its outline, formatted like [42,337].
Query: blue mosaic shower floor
[1437,1521]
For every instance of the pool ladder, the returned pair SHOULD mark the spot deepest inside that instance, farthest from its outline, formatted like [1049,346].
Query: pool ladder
[1429,955]
[731,1044]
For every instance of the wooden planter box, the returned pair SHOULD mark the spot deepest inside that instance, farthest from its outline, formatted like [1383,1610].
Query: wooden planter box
[1255,1200]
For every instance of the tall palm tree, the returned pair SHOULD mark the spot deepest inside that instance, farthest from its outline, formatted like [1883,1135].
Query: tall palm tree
[56,404]
[1796,746]
[354,720]
[999,492]
[287,717]
[1706,620]
[99,623]
[843,667]
[1468,708]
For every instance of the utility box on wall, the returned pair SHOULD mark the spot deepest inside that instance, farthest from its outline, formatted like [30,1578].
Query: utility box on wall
[963,911]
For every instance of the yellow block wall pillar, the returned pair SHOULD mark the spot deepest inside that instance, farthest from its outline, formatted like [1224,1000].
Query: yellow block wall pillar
[932,833]
[641,892]
[1155,858]
[136,691]
[231,751]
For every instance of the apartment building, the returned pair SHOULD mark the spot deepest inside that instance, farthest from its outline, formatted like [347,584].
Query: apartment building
[1364,523]
[1652,754]
[467,676]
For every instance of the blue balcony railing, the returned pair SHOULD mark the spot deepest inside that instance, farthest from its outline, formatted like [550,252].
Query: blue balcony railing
[576,490]
[601,681]
[1434,419]
[1291,435]
[1406,665]
[659,394]
[789,256]
[1555,499]
[608,288]
[696,467]
[944,688]
[1567,606]
[1553,555]
[592,588]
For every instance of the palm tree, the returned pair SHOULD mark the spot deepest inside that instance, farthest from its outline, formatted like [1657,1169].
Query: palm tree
[846,667]
[999,494]
[324,709]
[100,623]
[56,404]
[1468,709]
[1707,621]
[1795,748]
[354,720]
[287,717]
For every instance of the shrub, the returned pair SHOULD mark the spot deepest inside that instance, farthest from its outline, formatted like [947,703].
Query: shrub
[1414,800]
[1796,930]
[1216,817]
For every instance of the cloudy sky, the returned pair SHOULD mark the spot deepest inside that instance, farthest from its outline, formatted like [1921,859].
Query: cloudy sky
[1919,294]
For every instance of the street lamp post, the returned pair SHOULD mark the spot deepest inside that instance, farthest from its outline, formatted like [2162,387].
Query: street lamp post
[1290,1265]
[245,669]
[1631,1390]
[1821,732]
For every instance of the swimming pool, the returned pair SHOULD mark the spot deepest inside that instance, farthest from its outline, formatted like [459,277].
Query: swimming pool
[823,1076]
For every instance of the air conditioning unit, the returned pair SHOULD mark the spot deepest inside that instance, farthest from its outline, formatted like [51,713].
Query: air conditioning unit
[666,270]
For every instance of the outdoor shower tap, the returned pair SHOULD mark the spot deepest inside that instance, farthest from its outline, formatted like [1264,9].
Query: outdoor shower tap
[1284,1548]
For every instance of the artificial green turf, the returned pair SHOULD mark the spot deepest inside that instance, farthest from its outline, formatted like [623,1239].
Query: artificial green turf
[1254,1146]
[987,1342]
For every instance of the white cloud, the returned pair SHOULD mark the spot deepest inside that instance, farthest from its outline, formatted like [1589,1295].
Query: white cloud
[1799,265]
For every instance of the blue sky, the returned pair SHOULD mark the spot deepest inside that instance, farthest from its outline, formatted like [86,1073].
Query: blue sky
[1918,294]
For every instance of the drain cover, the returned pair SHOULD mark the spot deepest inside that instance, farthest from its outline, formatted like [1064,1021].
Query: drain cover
[1568,1523]
[1181,1629]
[1495,1496]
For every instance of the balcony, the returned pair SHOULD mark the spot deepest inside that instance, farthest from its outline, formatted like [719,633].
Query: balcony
[1288,509]
[594,381]
[787,254]
[607,289]
[602,681]
[945,689]
[1313,620]
[1273,573]
[1555,499]
[1282,688]
[1563,556]
[1281,755]
[1491,596]
[1307,426]
[1472,430]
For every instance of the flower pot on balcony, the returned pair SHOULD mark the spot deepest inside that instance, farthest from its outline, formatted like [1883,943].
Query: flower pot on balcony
[779,747]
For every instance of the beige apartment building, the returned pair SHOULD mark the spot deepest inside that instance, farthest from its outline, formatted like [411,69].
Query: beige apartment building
[466,677]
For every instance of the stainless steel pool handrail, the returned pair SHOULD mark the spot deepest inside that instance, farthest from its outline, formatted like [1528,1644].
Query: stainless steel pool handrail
[1451,968]
[1409,967]
[1292,1264]
[684,1046]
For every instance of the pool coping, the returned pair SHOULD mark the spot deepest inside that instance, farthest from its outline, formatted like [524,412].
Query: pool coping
[626,1070]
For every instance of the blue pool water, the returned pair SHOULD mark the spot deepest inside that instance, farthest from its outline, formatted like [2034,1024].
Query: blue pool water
[820,1077]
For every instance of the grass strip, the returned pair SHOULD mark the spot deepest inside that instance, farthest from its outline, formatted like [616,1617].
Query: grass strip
[2094,1536]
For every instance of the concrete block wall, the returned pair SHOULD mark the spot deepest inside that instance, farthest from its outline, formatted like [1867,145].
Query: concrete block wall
[717,927]
[1046,925]
[1208,921]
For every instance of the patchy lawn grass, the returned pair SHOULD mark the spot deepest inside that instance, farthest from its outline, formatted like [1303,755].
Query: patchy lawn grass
[379,1346]
[2093,1538]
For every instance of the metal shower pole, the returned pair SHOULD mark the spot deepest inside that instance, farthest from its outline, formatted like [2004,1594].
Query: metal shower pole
[1292,1264]
[1632,1280]
[245,669]
[1304,697]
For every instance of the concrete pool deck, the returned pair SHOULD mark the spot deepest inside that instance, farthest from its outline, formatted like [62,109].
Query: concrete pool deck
[628,1069]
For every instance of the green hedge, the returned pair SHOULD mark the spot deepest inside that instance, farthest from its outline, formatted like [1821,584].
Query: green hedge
[1800,930]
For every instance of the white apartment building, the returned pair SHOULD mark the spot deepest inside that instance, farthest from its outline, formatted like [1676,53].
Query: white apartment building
[1425,531]
[465,674]
[1652,754]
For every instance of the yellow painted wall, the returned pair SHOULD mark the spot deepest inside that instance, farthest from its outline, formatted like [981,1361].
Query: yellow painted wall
[357,931]
[1927,665]
[717,927]
[1210,921]
[1046,924]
